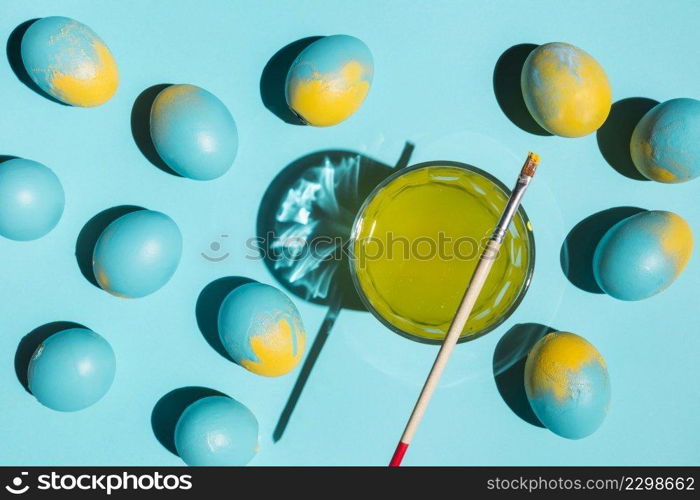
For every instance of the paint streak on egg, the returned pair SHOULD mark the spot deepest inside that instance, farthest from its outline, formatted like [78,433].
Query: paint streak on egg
[193,132]
[261,329]
[642,255]
[665,145]
[567,384]
[329,80]
[69,61]
[566,91]
[137,254]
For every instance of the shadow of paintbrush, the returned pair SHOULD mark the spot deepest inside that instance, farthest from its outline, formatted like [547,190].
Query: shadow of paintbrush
[365,174]
[307,367]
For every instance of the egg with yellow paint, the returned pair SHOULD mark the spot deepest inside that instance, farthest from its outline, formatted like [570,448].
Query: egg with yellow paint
[329,80]
[193,132]
[665,145]
[261,329]
[67,60]
[642,255]
[565,89]
[567,384]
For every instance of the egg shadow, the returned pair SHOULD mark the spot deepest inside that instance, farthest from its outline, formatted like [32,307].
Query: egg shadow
[90,233]
[509,359]
[13,50]
[168,410]
[576,256]
[29,344]
[506,87]
[141,126]
[371,173]
[208,306]
[615,134]
[4,158]
[274,77]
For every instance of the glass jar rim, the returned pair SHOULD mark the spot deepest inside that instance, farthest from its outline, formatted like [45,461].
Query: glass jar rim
[437,163]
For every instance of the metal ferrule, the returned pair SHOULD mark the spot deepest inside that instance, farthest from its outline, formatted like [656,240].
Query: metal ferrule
[499,233]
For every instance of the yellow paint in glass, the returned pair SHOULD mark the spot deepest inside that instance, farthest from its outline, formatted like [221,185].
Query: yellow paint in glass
[417,242]
[554,358]
[277,351]
[328,99]
[93,84]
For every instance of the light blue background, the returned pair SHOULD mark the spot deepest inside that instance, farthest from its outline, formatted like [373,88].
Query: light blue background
[434,63]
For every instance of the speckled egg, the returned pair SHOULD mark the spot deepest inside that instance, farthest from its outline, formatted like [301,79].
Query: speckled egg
[329,80]
[137,254]
[216,431]
[31,199]
[261,329]
[69,61]
[71,370]
[665,145]
[193,132]
[642,255]
[567,384]
[565,90]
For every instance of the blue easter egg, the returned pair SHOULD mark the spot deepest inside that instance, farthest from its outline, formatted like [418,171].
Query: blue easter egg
[67,60]
[329,80]
[665,144]
[261,329]
[193,132]
[31,199]
[216,431]
[565,89]
[567,384]
[137,254]
[642,255]
[71,370]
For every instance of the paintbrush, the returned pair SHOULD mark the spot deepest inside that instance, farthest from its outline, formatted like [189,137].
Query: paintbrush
[476,283]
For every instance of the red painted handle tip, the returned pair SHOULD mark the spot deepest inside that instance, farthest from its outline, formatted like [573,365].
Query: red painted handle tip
[398,454]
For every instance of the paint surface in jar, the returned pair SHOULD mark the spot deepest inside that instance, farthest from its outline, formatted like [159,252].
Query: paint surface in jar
[418,241]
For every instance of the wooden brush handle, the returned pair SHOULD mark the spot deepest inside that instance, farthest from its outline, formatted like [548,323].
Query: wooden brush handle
[465,308]
[476,283]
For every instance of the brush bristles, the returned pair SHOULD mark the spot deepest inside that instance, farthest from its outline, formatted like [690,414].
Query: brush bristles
[530,164]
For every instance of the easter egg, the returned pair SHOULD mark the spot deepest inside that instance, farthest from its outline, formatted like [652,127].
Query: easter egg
[31,199]
[193,132]
[67,60]
[665,144]
[71,370]
[567,384]
[565,90]
[642,255]
[261,329]
[329,80]
[137,253]
[216,431]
